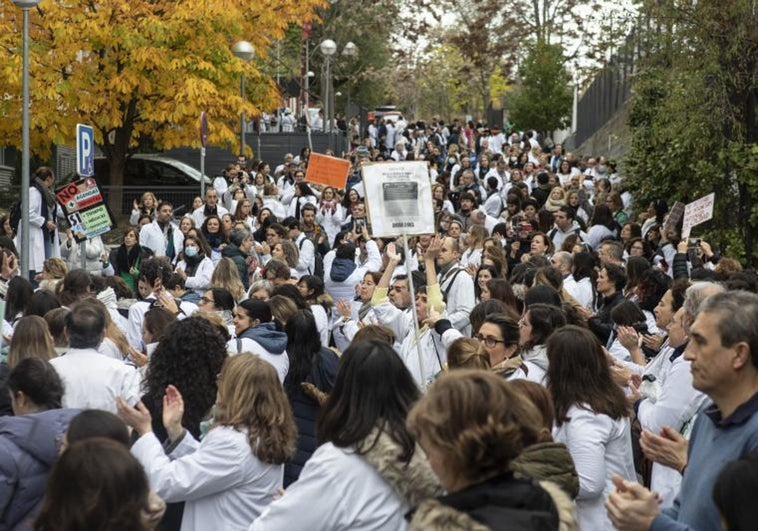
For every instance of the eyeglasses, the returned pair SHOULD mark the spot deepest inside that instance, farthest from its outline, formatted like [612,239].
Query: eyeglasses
[206,300]
[488,341]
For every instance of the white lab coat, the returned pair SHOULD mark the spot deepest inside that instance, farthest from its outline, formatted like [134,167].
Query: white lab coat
[600,447]
[460,297]
[346,288]
[200,282]
[36,237]
[93,381]
[337,491]
[93,248]
[224,486]
[152,237]
[199,214]
[675,406]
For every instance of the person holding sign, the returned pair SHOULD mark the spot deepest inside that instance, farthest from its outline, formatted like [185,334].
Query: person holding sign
[43,229]
[429,346]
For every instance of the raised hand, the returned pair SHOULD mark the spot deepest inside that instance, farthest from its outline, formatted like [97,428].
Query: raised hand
[173,412]
[138,418]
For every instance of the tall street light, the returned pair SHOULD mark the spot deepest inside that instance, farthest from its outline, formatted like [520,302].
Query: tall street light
[349,51]
[25,6]
[328,49]
[245,51]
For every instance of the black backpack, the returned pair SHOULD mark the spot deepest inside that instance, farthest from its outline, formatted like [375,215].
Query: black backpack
[318,267]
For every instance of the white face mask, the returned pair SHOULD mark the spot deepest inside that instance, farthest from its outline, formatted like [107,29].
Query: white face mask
[190,251]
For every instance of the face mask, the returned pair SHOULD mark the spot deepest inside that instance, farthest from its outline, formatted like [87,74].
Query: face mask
[190,251]
[451,161]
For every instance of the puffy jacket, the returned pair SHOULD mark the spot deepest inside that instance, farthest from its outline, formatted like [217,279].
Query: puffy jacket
[305,408]
[28,450]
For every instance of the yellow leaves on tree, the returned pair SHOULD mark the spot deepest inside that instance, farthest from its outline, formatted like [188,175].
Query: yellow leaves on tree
[138,67]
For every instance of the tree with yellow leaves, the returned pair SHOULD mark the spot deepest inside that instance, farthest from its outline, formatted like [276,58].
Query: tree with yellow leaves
[139,71]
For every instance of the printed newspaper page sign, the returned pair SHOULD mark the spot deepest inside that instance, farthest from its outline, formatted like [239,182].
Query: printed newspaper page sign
[697,212]
[85,208]
[398,198]
[329,171]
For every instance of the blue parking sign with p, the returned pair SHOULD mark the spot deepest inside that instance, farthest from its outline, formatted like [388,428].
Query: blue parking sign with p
[85,150]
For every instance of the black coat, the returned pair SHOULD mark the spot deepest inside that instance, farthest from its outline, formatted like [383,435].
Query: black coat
[240,260]
[602,324]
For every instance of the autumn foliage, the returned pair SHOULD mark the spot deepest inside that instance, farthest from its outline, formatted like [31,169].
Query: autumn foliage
[139,71]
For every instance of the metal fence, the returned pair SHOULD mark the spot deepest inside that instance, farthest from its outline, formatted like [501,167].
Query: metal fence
[609,90]
[179,196]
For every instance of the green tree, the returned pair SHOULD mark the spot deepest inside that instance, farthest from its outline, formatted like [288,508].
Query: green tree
[543,98]
[693,116]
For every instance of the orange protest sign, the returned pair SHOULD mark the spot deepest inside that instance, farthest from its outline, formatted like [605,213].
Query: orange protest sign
[329,171]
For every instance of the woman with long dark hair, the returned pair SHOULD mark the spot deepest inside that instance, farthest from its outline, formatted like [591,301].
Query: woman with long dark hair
[214,234]
[312,289]
[310,363]
[368,470]
[195,267]
[96,484]
[592,419]
[538,322]
[602,226]
[128,258]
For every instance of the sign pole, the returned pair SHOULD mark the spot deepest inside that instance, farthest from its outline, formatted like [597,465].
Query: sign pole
[85,167]
[412,289]
[203,144]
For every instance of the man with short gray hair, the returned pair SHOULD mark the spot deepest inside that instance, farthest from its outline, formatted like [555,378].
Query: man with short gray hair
[723,351]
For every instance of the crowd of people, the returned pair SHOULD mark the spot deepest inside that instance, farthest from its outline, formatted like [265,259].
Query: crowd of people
[553,357]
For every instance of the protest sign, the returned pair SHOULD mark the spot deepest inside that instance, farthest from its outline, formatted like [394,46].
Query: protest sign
[85,208]
[398,198]
[329,171]
[697,212]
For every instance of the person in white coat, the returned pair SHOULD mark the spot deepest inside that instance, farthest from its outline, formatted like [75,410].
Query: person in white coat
[95,255]
[229,478]
[368,472]
[418,340]
[456,284]
[195,268]
[162,235]
[539,321]
[90,379]
[211,207]
[43,214]
[592,420]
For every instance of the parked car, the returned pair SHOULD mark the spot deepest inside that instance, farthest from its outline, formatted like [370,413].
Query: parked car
[168,178]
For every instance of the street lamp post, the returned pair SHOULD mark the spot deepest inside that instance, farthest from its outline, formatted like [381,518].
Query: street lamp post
[25,6]
[328,49]
[245,51]
[349,51]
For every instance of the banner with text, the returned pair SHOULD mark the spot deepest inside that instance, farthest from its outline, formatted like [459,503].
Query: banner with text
[398,198]
[85,208]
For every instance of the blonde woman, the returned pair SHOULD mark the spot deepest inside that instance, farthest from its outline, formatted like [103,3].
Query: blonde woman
[228,479]
[53,271]
[145,206]
[471,258]
[31,339]
[226,276]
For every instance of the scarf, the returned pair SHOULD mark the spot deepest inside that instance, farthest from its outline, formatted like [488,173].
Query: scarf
[47,193]
[192,262]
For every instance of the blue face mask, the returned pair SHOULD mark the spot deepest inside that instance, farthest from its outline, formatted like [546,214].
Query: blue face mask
[190,251]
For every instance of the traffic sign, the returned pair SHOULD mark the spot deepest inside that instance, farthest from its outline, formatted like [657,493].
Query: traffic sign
[85,150]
